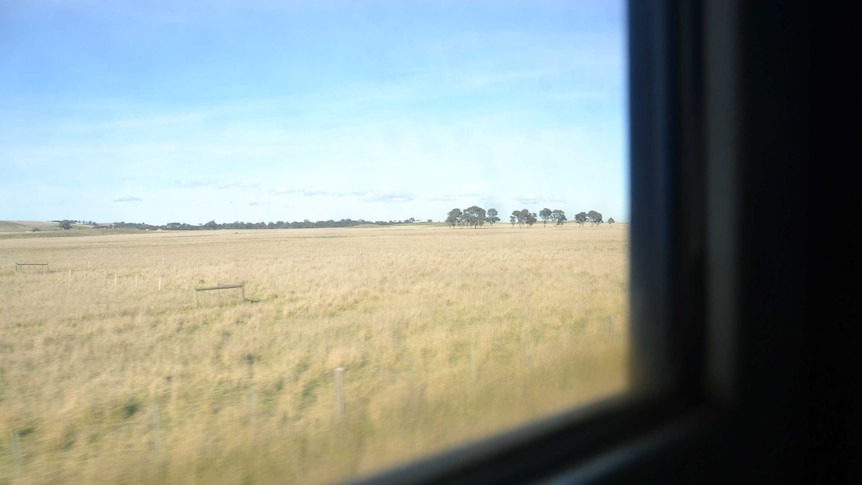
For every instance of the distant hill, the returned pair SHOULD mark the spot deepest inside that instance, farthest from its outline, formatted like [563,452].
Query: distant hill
[28,226]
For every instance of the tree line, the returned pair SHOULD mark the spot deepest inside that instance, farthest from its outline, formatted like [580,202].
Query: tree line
[475,216]
[213,225]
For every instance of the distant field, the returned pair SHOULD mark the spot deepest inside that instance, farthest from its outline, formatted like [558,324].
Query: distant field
[110,371]
[25,226]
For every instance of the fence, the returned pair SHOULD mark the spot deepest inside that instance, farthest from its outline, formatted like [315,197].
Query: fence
[19,266]
[220,286]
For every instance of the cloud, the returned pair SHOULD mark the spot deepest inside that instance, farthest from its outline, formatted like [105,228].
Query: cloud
[440,198]
[385,197]
[238,185]
[187,184]
[128,199]
[310,192]
[528,199]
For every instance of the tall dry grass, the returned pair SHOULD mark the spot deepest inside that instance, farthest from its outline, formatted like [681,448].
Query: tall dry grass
[109,372]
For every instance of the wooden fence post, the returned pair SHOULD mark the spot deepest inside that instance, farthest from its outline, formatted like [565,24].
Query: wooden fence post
[473,359]
[339,393]
[251,408]
[15,443]
[157,439]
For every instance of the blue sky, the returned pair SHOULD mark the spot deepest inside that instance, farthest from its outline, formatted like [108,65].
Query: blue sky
[257,110]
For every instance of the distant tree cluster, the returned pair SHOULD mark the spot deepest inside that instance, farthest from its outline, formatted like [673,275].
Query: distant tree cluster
[473,216]
[593,217]
[476,216]
[213,225]
[67,223]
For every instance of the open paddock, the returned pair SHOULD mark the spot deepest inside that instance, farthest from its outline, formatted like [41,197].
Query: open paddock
[110,371]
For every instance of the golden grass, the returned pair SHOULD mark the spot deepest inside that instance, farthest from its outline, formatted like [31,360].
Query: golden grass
[445,336]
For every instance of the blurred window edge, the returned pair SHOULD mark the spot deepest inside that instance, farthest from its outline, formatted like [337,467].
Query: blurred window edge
[737,379]
[667,404]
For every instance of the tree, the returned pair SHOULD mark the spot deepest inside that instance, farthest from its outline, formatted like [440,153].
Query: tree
[211,225]
[611,221]
[595,217]
[474,216]
[559,217]
[517,216]
[492,216]
[525,216]
[66,224]
[545,214]
[513,219]
[581,218]
[454,217]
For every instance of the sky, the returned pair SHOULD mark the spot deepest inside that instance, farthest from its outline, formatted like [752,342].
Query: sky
[265,111]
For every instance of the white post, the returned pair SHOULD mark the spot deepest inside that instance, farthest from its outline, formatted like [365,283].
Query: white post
[339,393]
[16,450]
[473,360]
[157,439]
[251,406]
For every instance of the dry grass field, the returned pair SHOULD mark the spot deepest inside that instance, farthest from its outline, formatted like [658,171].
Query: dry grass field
[111,373]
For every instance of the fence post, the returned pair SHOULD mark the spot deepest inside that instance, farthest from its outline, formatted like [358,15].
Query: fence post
[251,407]
[157,439]
[16,450]
[339,393]
[473,359]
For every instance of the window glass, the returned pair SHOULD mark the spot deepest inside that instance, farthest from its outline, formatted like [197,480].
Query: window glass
[303,241]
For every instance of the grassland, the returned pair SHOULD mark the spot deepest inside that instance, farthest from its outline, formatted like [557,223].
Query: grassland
[28,226]
[110,373]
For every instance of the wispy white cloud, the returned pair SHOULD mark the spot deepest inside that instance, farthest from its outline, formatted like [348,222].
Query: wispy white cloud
[128,199]
[386,197]
[188,184]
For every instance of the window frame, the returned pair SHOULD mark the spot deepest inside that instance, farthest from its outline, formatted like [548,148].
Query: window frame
[669,403]
[722,121]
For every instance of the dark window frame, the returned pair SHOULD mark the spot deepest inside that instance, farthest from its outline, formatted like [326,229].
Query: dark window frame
[667,364]
[730,155]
